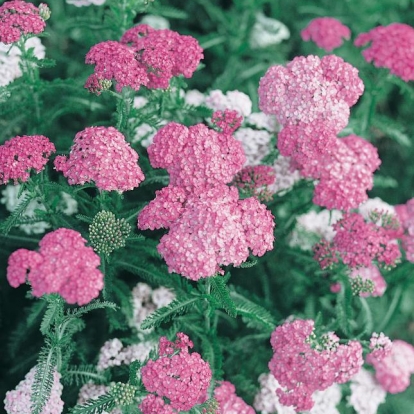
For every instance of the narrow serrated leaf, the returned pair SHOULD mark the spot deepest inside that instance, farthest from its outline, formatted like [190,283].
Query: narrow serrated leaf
[221,293]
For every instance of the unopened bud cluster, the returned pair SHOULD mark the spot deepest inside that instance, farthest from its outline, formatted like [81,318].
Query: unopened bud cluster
[107,233]
[124,394]
[359,286]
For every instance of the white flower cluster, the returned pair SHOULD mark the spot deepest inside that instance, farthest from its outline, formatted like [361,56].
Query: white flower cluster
[10,59]
[67,205]
[234,100]
[267,32]
[365,209]
[113,353]
[312,227]
[366,393]
[267,402]
[256,144]
[83,3]
[286,177]
[145,300]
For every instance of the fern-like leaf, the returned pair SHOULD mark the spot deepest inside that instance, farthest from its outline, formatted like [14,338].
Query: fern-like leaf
[43,380]
[96,304]
[221,294]
[176,307]
[81,374]
[252,311]
[15,215]
[95,406]
[53,312]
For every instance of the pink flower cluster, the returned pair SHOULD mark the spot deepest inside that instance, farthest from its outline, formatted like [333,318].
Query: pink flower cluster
[18,401]
[63,265]
[326,32]
[20,154]
[311,98]
[302,369]
[310,90]
[391,47]
[393,371]
[345,174]
[19,18]
[209,225]
[405,213]
[229,402]
[101,155]
[381,347]
[144,57]
[178,375]
[358,243]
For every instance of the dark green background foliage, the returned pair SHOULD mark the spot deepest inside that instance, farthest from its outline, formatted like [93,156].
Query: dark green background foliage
[285,281]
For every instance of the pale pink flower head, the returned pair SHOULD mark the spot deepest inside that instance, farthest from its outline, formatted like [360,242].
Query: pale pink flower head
[62,265]
[101,155]
[196,157]
[19,18]
[18,401]
[21,154]
[405,214]
[114,60]
[229,401]
[381,347]
[345,174]
[311,90]
[163,53]
[302,366]
[228,120]
[328,33]
[214,229]
[177,374]
[394,371]
[391,47]
[358,243]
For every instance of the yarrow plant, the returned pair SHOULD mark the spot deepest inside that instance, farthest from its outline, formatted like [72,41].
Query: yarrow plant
[148,148]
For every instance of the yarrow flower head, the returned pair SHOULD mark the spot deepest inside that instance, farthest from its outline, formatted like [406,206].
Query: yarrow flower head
[393,371]
[301,369]
[177,374]
[196,157]
[18,401]
[267,32]
[163,53]
[344,174]
[256,144]
[311,90]
[366,393]
[63,265]
[19,18]
[228,120]
[212,229]
[232,100]
[405,214]
[358,243]
[391,47]
[367,281]
[101,155]
[326,32]
[229,401]
[107,233]
[21,154]
[381,347]
[10,59]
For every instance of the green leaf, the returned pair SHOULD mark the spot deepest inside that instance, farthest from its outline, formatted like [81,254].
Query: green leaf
[95,406]
[252,311]
[344,308]
[221,294]
[175,308]
[81,374]
[96,304]
[15,215]
[43,380]
[393,130]
[53,313]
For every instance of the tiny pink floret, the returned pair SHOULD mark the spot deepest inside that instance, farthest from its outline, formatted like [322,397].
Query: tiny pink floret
[21,154]
[63,265]
[328,33]
[101,155]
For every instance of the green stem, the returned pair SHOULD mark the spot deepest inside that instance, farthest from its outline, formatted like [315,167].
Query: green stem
[392,308]
[207,311]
